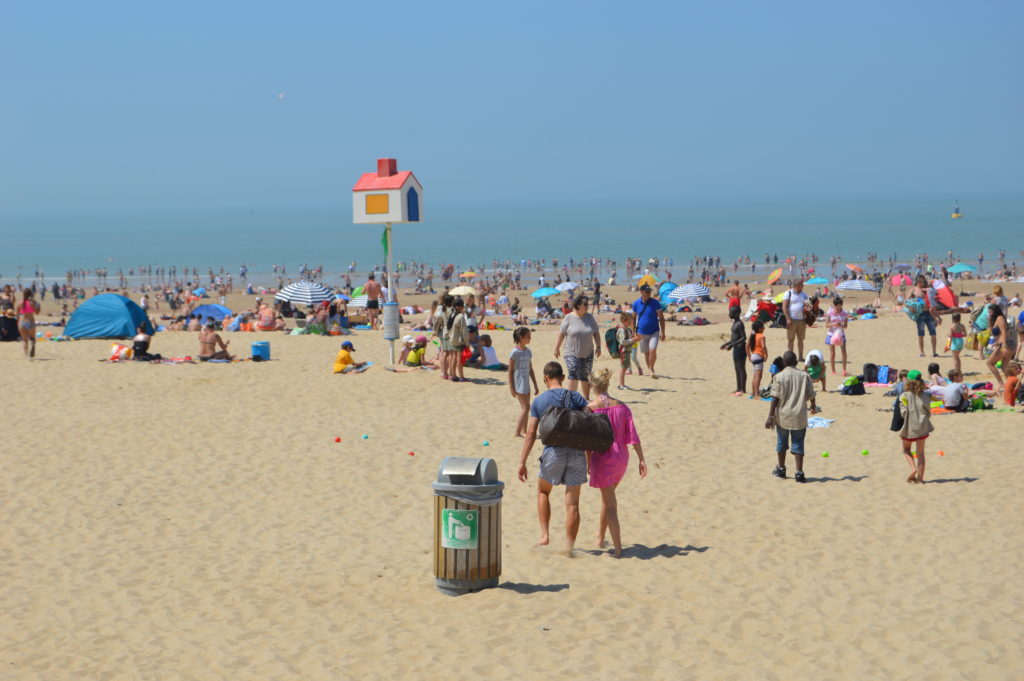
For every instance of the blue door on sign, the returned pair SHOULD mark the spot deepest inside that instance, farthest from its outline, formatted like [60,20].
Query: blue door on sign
[413,198]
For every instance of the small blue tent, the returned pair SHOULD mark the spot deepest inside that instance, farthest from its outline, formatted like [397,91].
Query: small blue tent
[211,310]
[108,315]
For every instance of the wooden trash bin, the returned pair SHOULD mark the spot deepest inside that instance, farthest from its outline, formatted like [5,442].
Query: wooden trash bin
[467,525]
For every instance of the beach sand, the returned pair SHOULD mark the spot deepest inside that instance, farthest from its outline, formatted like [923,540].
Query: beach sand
[200,522]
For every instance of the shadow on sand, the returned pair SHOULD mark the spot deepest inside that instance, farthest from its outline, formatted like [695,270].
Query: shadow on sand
[846,478]
[648,552]
[524,588]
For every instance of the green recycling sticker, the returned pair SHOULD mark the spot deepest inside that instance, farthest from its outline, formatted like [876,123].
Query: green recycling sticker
[459,529]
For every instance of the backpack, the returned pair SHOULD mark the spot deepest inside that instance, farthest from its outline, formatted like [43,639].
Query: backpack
[611,339]
[883,374]
[870,373]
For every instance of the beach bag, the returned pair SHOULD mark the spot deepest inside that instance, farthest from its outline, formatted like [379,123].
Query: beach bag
[913,308]
[563,426]
[897,418]
[1011,335]
[870,373]
[611,339]
[883,374]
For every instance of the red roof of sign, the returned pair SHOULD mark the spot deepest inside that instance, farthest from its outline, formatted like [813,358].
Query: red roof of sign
[375,181]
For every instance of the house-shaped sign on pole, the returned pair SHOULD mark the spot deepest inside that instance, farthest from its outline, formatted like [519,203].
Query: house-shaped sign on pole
[386,196]
[382,198]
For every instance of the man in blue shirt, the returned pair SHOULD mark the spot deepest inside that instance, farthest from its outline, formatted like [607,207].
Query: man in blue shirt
[649,320]
[558,465]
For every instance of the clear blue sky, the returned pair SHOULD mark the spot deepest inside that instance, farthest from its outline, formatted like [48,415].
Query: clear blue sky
[135,106]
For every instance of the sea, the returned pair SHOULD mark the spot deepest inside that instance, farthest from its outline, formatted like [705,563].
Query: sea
[475,234]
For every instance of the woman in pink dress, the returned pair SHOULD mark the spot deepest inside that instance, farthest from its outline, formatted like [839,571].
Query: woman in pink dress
[607,468]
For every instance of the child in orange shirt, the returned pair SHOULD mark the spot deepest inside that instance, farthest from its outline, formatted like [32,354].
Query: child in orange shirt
[1012,371]
[757,350]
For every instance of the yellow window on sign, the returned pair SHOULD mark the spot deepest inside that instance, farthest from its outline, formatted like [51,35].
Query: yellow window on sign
[376,204]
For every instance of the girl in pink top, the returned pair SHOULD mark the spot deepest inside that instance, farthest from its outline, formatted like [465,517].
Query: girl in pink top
[27,323]
[607,468]
[836,319]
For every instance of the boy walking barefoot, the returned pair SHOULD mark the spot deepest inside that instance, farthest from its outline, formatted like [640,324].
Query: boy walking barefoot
[627,341]
[558,465]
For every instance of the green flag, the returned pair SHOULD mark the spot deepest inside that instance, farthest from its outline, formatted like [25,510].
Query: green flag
[384,241]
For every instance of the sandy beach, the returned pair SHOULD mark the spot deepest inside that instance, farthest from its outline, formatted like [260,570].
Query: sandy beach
[199,521]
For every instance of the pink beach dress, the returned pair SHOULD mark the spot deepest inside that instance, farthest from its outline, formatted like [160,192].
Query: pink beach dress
[607,468]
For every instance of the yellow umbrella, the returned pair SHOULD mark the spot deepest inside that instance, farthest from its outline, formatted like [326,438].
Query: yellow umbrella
[468,274]
[648,280]
[463,291]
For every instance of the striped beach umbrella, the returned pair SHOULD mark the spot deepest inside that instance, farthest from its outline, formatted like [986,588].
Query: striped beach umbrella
[358,301]
[305,293]
[857,285]
[689,291]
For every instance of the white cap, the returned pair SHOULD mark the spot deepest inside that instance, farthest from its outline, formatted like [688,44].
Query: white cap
[408,339]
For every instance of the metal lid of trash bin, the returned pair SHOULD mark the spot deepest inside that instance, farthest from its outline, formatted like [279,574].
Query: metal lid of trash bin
[470,480]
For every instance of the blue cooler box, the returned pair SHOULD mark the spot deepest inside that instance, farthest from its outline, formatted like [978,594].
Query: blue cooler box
[261,349]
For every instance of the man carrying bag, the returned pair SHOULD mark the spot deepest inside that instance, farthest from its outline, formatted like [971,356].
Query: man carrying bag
[559,464]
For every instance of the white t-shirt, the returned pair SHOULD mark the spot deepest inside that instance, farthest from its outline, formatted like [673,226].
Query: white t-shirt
[796,304]
[490,356]
[952,394]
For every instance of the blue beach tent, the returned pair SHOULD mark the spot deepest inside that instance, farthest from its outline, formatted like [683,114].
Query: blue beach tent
[108,315]
[212,310]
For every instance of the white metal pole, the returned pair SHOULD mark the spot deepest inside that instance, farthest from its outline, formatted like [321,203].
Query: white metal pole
[391,290]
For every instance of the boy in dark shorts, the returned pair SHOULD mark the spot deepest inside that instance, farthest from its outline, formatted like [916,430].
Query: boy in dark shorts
[558,465]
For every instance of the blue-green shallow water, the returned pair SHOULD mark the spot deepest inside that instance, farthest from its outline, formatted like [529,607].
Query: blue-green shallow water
[476,233]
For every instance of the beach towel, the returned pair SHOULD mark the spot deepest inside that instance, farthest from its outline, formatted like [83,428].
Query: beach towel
[819,422]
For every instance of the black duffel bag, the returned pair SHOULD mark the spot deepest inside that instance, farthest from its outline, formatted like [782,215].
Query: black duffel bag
[563,426]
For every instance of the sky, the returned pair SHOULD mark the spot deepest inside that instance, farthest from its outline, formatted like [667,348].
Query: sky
[200,106]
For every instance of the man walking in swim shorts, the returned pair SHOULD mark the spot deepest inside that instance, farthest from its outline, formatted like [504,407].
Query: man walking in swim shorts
[649,325]
[558,465]
[373,291]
